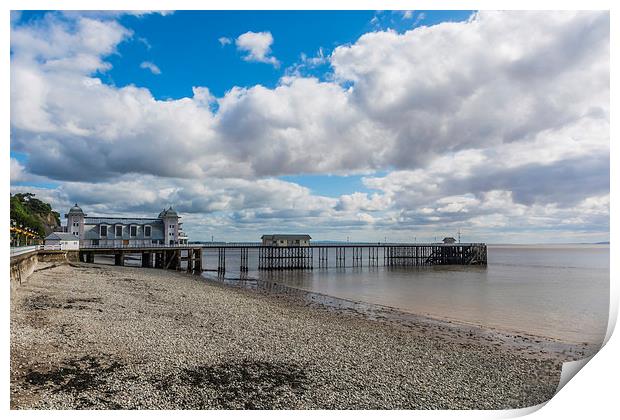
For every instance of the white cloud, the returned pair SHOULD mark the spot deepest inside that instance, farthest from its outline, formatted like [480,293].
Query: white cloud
[17,171]
[202,96]
[150,66]
[421,16]
[450,114]
[224,41]
[69,46]
[113,14]
[144,42]
[407,14]
[361,201]
[257,46]
[306,63]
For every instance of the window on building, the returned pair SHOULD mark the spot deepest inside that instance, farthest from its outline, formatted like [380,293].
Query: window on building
[133,231]
[171,226]
[76,233]
[119,231]
[147,231]
[104,231]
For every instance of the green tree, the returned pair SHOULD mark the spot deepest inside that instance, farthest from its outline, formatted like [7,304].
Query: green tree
[30,212]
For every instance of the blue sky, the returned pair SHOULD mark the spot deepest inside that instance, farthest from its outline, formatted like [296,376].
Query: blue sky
[185,47]
[185,44]
[364,123]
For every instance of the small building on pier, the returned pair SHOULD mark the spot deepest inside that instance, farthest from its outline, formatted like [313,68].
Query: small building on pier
[62,241]
[92,231]
[449,240]
[285,240]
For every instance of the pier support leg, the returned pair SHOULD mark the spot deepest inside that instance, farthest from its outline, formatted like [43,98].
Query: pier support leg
[198,260]
[190,260]
[119,259]
[146,259]
[221,260]
[159,260]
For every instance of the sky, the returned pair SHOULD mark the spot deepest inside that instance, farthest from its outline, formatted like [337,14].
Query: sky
[368,125]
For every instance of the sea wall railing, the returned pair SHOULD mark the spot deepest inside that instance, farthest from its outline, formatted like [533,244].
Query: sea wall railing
[19,250]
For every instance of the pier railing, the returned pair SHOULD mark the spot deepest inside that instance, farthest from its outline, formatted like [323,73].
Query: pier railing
[318,244]
[138,247]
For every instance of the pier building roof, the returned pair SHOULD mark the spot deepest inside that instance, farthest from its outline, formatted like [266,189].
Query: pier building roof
[289,237]
[168,213]
[61,236]
[75,210]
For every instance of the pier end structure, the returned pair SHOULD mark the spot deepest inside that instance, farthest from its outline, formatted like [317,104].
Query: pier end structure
[278,257]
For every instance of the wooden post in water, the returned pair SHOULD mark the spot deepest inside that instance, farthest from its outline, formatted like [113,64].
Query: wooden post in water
[243,260]
[221,262]
[198,260]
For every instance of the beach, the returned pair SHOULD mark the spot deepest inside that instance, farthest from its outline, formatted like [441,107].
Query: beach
[88,336]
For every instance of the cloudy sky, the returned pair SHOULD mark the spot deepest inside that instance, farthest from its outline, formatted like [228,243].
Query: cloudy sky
[367,125]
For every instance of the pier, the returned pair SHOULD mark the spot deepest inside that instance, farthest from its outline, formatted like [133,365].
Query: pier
[164,257]
[321,256]
[348,255]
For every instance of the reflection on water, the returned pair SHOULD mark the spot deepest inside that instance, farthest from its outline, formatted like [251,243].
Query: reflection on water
[560,292]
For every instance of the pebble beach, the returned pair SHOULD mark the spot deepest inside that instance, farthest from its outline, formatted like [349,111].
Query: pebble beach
[87,336]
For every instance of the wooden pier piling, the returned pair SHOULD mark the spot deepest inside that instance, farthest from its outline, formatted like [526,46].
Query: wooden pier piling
[146,259]
[244,260]
[281,258]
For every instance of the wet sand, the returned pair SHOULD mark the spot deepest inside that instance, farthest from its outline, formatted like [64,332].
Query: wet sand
[96,337]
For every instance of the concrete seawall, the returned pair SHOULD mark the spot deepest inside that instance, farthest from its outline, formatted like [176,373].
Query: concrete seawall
[22,266]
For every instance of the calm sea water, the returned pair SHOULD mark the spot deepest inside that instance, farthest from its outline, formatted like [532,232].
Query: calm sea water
[560,291]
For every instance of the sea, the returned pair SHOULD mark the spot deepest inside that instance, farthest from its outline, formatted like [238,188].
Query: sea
[555,291]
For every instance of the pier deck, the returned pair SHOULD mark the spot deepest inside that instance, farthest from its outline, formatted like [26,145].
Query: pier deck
[299,257]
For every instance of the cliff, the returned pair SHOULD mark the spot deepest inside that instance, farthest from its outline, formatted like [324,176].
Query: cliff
[34,213]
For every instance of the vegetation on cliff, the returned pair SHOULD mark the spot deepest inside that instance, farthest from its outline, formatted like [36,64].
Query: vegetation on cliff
[34,213]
